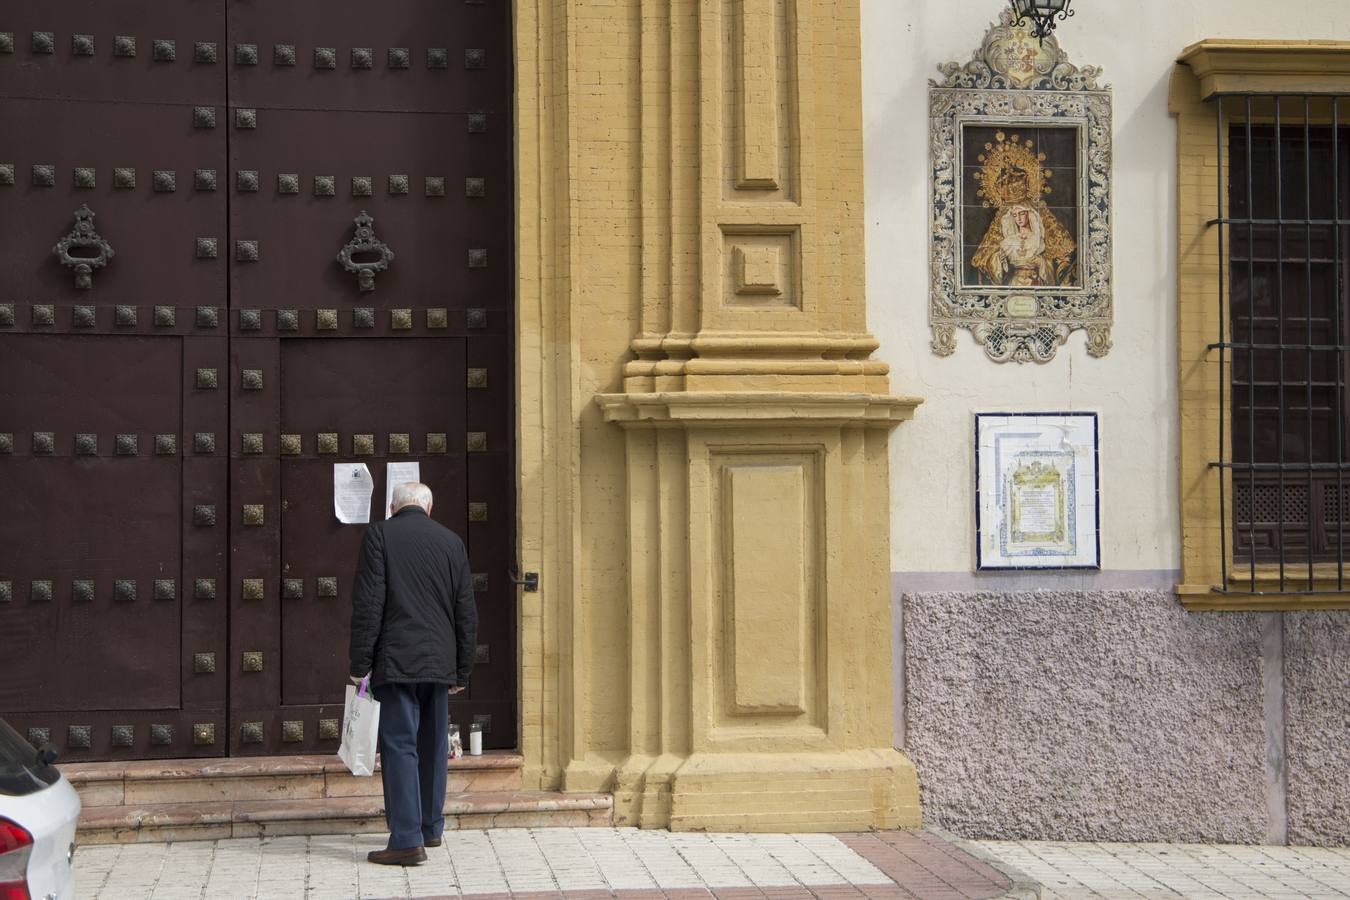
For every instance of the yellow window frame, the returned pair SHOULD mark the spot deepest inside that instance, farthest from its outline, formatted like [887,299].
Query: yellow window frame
[1204,71]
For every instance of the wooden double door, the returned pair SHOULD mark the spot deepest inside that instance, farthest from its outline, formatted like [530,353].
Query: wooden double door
[187,352]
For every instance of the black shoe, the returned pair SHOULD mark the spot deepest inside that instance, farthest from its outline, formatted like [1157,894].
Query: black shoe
[431,842]
[408,856]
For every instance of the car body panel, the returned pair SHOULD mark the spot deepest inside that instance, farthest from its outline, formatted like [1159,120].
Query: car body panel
[50,816]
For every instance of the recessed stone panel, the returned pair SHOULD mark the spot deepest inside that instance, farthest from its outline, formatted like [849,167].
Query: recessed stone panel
[760,270]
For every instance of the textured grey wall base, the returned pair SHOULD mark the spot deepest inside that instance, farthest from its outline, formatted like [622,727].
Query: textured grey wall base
[1317,726]
[1104,715]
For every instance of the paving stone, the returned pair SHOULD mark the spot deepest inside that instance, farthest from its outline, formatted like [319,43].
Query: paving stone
[608,864]
[1074,871]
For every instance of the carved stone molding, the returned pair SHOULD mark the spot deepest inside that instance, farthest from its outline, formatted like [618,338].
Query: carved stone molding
[746,409]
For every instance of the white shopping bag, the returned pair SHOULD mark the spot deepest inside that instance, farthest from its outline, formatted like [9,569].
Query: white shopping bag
[360,730]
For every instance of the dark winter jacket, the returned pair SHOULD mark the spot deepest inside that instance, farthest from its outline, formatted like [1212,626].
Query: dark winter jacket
[413,613]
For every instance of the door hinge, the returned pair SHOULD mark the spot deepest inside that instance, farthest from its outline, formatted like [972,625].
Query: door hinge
[530,582]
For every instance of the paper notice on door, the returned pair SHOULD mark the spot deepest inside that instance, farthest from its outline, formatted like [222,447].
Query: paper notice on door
[397,473]
[353,486]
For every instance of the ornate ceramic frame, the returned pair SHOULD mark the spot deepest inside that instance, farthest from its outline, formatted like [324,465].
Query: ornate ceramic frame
[1015,81]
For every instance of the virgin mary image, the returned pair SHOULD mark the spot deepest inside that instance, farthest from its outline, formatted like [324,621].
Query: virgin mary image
[1025,245]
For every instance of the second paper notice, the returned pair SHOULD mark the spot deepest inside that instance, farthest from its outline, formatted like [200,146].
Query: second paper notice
[397,473]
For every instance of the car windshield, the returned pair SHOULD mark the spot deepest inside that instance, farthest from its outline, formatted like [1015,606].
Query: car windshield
[21,772]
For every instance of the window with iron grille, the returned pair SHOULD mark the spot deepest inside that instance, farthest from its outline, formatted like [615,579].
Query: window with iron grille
[1284,326]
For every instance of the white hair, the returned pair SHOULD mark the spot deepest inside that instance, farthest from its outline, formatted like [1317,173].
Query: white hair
[412,493]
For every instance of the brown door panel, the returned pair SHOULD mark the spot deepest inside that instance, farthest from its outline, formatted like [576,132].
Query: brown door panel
[255,572]
[153,231]
[320,556]
[427,56]
[87,61]
[106,385]
[491,538]
[373,386]
[103,633]
[167,434]
[313,170]
[204,591]
[270,729]
[255,398]
[93,734]
[94,568]
[376,401]
[488,411]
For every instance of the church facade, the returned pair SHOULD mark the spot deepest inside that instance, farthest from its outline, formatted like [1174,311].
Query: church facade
[860,413]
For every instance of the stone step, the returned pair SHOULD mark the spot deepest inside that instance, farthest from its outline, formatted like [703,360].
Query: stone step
[205,799]
[213,819]
[264,778]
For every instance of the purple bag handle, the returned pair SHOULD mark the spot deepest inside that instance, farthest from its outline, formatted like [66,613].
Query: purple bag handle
[361,691]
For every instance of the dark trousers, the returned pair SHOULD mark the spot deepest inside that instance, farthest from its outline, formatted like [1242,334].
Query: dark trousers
[413,751]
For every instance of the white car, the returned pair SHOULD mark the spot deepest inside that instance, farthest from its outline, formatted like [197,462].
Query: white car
[38,813]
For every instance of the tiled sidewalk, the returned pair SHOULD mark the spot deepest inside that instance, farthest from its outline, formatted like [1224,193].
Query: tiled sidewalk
[578,863]
[1194,871]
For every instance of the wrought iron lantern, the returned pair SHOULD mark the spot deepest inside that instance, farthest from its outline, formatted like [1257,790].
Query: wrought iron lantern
[1042,13]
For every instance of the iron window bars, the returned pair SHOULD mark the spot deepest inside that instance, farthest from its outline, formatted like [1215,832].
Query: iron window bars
[1283,204]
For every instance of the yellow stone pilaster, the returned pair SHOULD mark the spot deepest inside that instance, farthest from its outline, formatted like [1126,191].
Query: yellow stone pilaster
[703,434]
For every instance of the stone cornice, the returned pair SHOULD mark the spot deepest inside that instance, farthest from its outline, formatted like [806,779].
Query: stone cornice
[1259,66]
[756,408]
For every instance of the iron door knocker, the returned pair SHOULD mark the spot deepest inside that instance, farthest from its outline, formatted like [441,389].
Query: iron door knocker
[365,254]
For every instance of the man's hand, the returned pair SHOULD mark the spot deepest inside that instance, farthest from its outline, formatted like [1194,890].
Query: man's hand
[356,679]
[456,689]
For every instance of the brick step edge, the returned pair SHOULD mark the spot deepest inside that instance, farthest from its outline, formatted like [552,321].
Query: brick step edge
[333,784]
[252,818]
[79,773]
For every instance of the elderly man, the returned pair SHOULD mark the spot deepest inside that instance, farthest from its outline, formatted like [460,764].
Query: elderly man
[414,626]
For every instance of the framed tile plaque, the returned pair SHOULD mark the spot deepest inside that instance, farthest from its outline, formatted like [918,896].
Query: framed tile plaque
[1036,491]
[1020,205]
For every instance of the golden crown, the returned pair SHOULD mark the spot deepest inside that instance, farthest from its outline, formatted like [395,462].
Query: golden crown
[1011,172]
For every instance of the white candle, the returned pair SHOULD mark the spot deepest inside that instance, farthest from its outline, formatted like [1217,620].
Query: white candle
[475,740]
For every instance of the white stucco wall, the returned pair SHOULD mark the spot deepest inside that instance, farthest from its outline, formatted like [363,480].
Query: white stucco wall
[1133,389]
